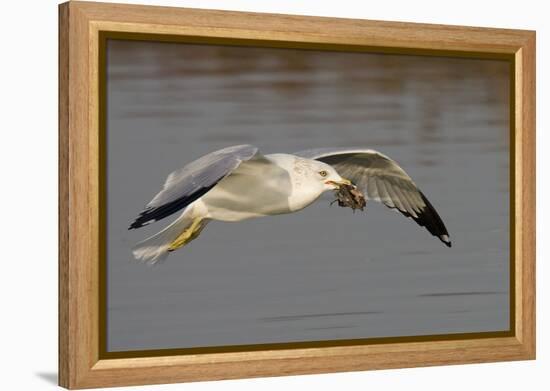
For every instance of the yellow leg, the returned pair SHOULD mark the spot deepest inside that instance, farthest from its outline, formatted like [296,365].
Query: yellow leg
[188,235]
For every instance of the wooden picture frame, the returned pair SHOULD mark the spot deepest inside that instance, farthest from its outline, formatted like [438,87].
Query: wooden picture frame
[82,26]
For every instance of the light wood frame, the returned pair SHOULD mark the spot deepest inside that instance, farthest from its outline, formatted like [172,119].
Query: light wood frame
[80,168]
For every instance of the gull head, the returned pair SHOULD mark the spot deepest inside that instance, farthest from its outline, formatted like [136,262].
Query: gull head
[328,177]
[309,178]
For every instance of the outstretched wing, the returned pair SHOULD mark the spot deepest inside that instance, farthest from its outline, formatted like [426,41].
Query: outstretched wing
[191,182]
[382,180]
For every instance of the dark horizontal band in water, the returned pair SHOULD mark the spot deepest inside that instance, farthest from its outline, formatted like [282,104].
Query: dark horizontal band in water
[309,316]
[447,294]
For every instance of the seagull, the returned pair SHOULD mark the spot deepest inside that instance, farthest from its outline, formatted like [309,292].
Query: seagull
[239,183]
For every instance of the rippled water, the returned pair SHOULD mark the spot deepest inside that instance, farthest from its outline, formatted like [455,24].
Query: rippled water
[323,273]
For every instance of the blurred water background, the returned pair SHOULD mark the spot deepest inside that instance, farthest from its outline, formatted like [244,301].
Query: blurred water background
[323,273]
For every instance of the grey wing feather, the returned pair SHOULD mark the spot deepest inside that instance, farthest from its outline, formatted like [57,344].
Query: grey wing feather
[384,181]
[187,184]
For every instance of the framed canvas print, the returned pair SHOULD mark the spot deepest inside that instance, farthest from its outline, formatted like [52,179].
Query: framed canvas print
[247,195]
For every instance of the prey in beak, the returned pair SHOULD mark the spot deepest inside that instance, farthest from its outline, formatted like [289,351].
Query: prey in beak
[349,196]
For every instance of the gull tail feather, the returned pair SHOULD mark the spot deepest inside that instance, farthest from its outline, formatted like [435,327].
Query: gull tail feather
[157,247]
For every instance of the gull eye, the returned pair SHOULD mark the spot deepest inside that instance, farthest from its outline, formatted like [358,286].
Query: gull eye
[323,173]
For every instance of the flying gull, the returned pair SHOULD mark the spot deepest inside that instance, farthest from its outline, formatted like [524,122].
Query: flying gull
[239,183]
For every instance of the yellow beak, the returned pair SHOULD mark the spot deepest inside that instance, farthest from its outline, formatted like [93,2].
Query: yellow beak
[338,184]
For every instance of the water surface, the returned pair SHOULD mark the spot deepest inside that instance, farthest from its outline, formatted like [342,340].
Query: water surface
[323,273]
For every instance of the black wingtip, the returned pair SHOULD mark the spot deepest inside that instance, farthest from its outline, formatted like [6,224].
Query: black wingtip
[142,220]
[429,218]
[445,239]
[152,214]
